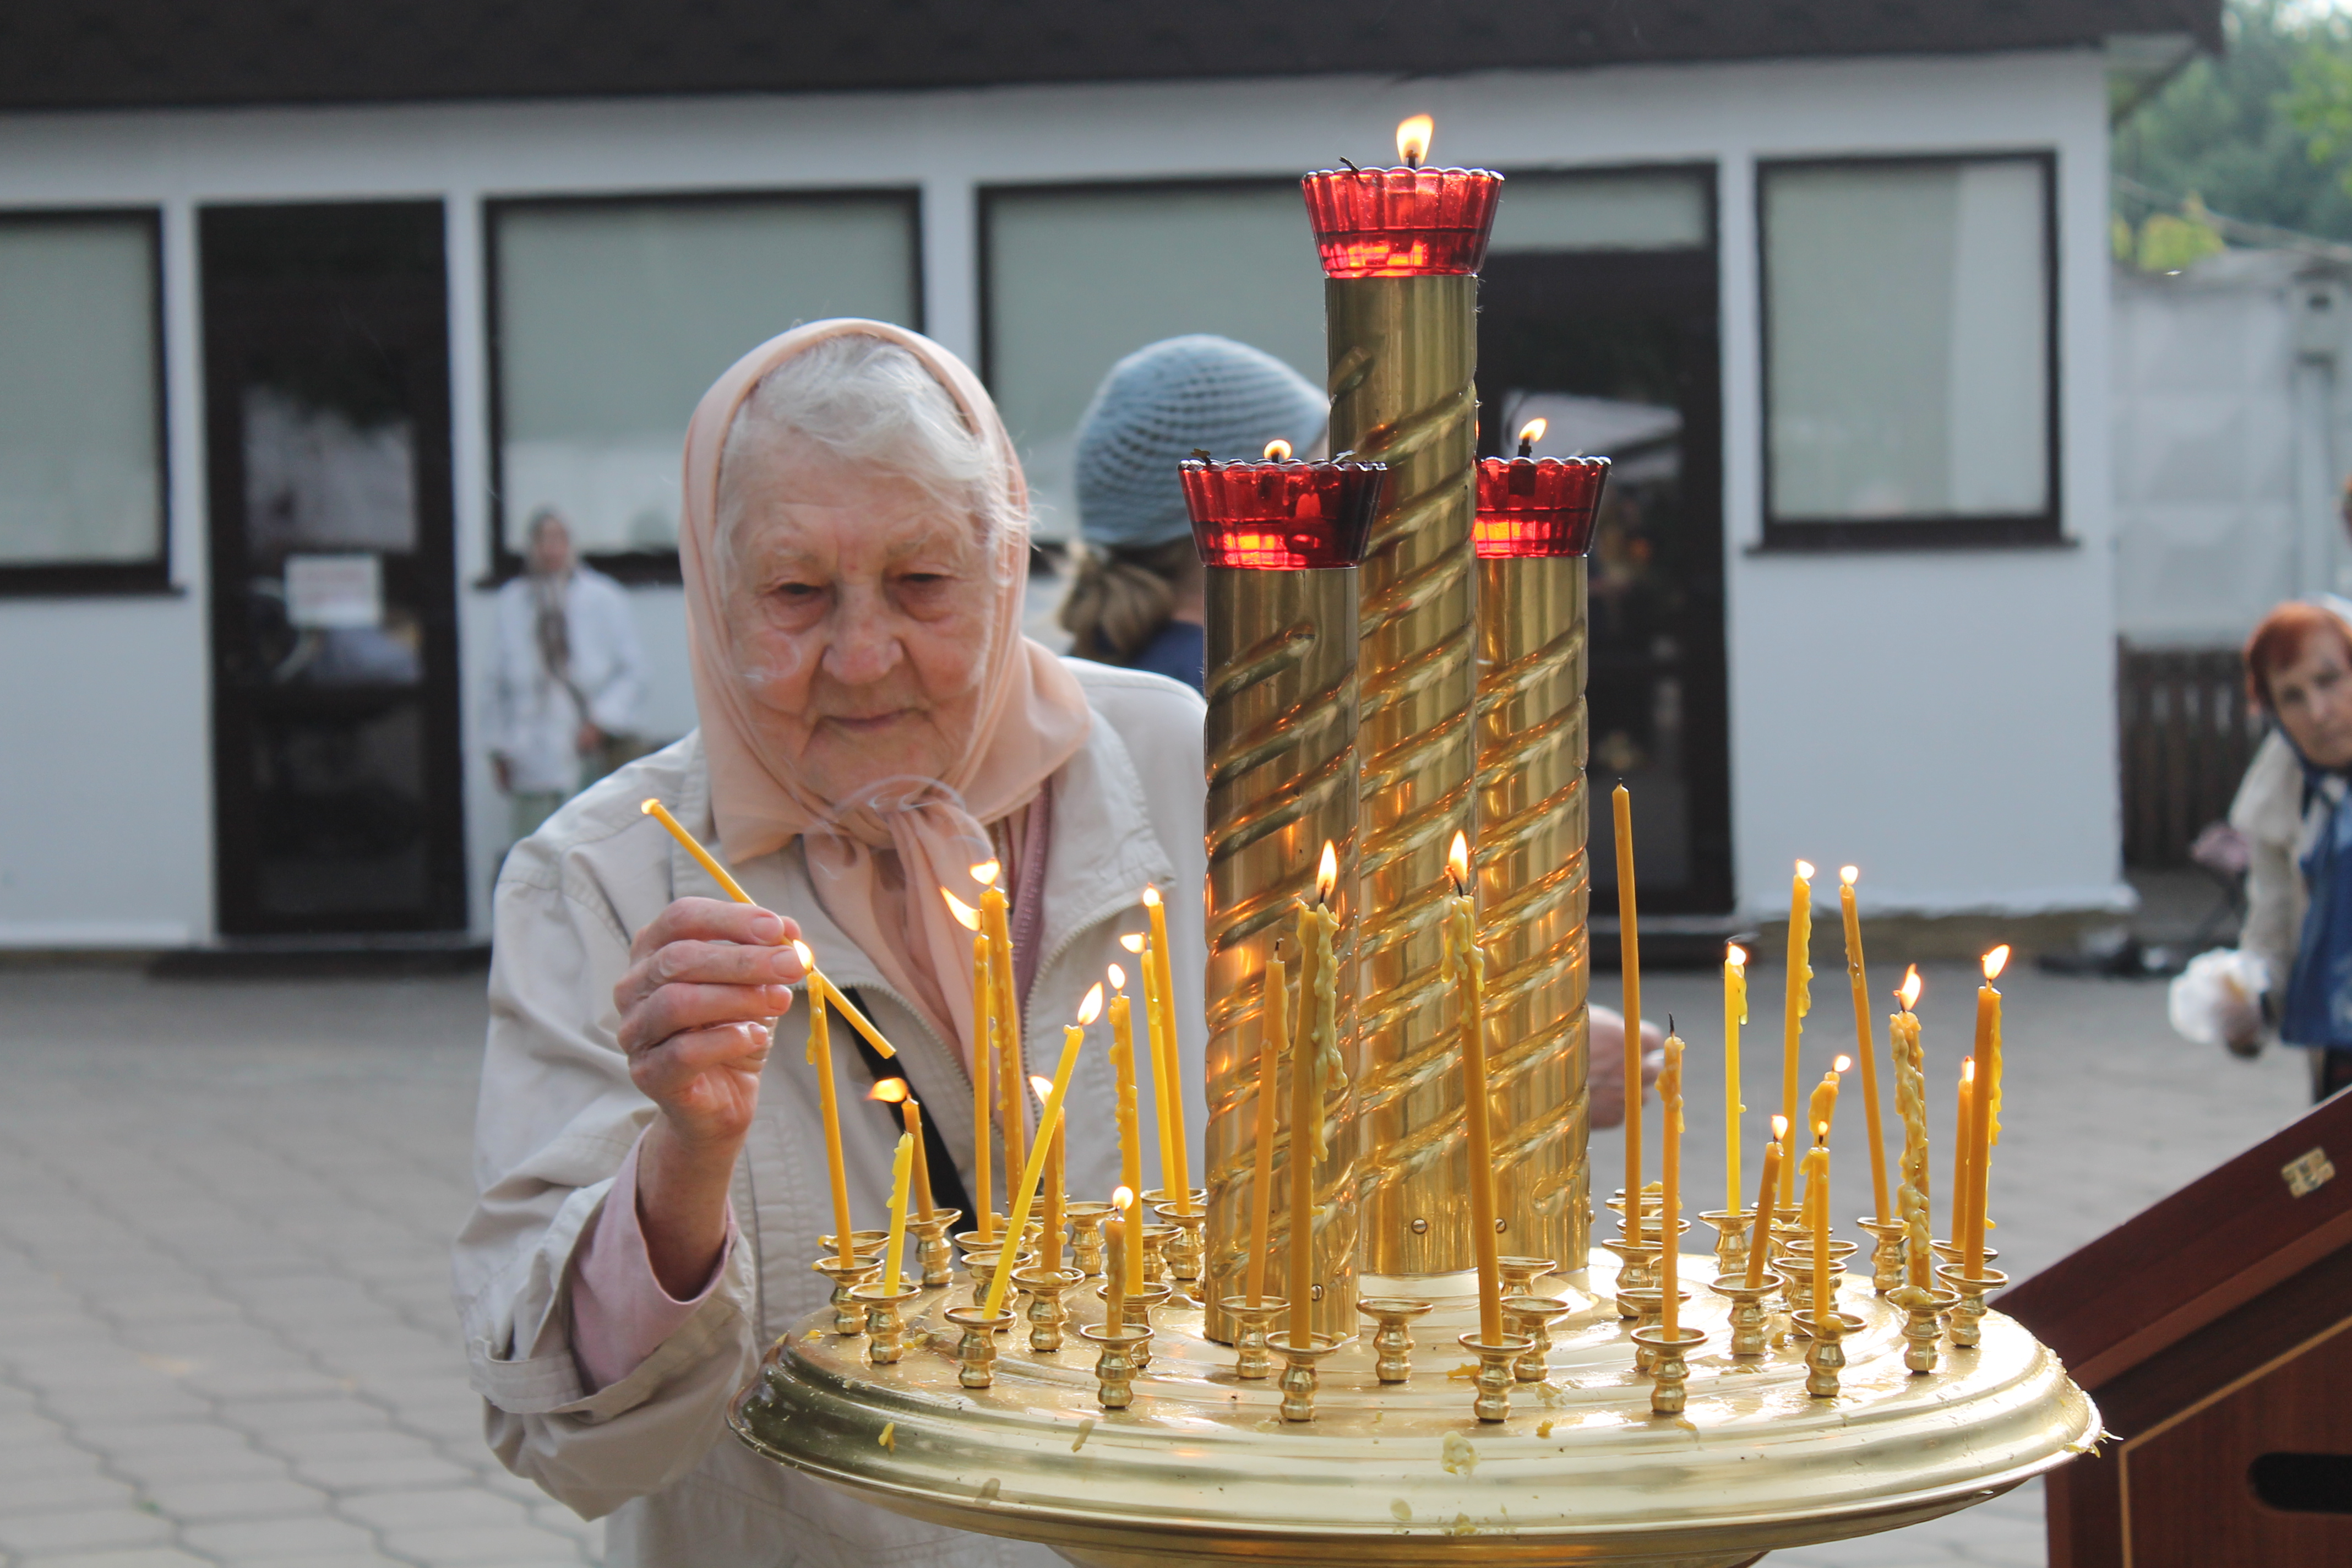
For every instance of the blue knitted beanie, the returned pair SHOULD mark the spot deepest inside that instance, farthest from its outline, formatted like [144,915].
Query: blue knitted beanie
[1159,403]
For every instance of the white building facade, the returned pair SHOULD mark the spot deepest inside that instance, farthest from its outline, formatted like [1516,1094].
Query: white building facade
[1909,546]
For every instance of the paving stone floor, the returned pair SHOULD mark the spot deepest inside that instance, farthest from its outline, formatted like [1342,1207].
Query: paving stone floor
[224,1328]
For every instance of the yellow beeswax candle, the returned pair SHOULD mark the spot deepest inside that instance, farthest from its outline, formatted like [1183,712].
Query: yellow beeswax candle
[1032,1173]
[1984,1115]
[1122,1066]
[1274,1040]
[1670,1205]
[1318,993]
[1821,1108]
[902,1170]
[1118,1268]
[1159,1070]
[1799,1002]
[1167,1062]
[1012,1078]
[1759,1241]
[1911,1107]
[1963,1153]
[820,1051]
[1735,1013]
[1865,1048]
[910,1113]
[1056,1162]
[1817,1208]
[1466,967]
[1629,961]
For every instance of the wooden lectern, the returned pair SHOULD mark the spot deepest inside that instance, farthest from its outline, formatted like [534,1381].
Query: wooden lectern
[2211,1329]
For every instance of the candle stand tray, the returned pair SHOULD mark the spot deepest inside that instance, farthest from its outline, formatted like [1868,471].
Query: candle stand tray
[1200,1469]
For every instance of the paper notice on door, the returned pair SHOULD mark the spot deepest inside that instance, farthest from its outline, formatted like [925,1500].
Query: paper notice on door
[334,591]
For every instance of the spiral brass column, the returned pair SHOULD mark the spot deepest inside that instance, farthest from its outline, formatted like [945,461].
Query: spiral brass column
[1281,658]
[1533,888]
[1403,352]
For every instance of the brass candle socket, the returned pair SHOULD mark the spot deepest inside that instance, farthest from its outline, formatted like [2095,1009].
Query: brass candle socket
[1825,1356]
[1250,1360]
[885,1327]
[1137,1310]
[1119,1355]
[1086,1248]
[1519,1274]
[1283,781]
[1529,728]
[1751,1323]
[1492,1400]
[1649,1306]
[1669,1364]
[848,1313]
[1156,1238]
[1045,1311]
[1184,1247]
[861,1242]
[1966,1321]
[1637,1269]
[1925,1307]
[1732,1227]
[1886,1253]
[981,1267]
[1533,1316]
[1796,1270]
[1392,1336]
[1299,1377]
[976,1349]
[931,1248]
[1404,354]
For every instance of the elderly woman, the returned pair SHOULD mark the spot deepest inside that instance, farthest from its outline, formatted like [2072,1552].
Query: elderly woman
[873,723]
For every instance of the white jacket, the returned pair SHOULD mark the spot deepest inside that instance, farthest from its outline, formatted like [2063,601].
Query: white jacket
[531,718]
[558,1112]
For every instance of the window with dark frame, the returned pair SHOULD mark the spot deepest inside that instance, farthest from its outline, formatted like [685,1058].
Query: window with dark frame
[1910,364]
[84,489]
[609,316]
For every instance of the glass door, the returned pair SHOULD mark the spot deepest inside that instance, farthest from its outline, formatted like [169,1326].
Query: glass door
[333,592]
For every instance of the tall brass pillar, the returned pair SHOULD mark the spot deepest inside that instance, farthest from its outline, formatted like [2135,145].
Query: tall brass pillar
[1533,889]
[1403,352]
[1281,776]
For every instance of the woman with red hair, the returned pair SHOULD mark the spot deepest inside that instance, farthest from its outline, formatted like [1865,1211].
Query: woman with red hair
[2292,809]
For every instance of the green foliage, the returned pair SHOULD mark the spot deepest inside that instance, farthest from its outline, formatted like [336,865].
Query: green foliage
[2168,244]
[2240,130]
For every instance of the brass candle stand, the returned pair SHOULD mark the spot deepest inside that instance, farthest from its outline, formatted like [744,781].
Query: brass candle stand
[1496,1357]
[976,1343]
[1519,1274]
[1923,1324]
[1392,1336]
[1732,1227]
[1249,1322]
[885,1327]
[935,1255]
[1885,1252]
[848,1312]
[1045,1312]
[1119,1356]
[1184,1249]
[1964,1321]
[1086,1236]
[1299,1364]
[1669,1366]
[1825,1358]
[1750,1322]
[1136,1308]
[1532,1317]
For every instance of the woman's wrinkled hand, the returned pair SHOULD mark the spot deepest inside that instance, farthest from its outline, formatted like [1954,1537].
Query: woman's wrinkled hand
[1605,1072]
[705,981]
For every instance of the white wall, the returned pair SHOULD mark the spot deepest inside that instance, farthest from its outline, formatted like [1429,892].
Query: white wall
[2004,796]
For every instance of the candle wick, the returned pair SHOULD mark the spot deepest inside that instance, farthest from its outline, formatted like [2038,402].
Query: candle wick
[1527,448]
[1352,166]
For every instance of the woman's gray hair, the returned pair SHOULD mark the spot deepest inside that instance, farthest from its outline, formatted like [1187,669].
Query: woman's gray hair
[870,402]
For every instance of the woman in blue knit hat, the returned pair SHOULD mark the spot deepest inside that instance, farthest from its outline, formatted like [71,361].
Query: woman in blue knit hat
[1137,600]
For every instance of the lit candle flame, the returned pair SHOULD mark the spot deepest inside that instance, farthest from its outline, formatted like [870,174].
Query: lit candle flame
[1842,1066]
[1805,869]
[1117,978]
[1091,1008]
[1821,1131]
[808,959]
[1910,992]
[1967,1069]
[1736,956]
[1277,450]
[888,1091]
[1150,898]
[1780,1129]
[1414,133]
[1533,431]
[1995,961]
[1848,875]
[987,871]
[1120,1197]
[966,916]
[1326,873]
[1457,862]
[1132,942]
[1042,1085]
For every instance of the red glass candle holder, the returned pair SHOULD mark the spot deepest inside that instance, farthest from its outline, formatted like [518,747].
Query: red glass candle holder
[1401,223]
[1538,506]
[1282,517]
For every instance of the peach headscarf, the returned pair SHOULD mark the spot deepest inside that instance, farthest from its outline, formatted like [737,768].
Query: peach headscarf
[878,864]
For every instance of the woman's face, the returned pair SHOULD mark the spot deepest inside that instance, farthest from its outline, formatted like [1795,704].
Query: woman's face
[861,614]
[2312,696]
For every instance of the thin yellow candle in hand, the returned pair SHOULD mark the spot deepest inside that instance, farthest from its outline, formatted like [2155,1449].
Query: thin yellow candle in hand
[1628,962]
[1274,1040]
[1670,1196]
[1465,968]
[1984,1115]
[902,1169]
[820,1051]
[1735,1013]
[1034,1172]
[1863,1046]
[1759,1242]
[1800,1002]
[1167,1061]
[816,980]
